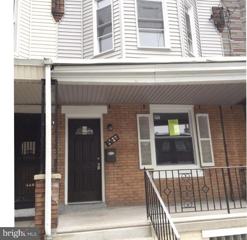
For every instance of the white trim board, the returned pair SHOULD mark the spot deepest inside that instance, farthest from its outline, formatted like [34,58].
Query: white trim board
[96,110]
[27,108]
[224,232]
[83,112]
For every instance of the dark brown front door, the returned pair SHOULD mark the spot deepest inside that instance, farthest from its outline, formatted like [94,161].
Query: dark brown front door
[84,162]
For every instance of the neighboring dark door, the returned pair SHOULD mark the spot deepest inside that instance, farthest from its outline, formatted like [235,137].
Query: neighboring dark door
[27,158]
[84,161]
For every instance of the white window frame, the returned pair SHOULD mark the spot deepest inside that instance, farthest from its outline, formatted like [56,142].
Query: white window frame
[165,24]
[144,140]
[154,108]
[95,30]
[191,14]
[212,164]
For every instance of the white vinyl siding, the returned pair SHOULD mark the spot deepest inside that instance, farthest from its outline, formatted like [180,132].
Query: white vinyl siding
[211,41]
[43,41]
[144,141]
[205,141]
[131,31]
[70,30]
[23,30]
[37,30]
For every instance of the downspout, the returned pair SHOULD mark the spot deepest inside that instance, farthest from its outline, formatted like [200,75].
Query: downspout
[48,148]
[226,153]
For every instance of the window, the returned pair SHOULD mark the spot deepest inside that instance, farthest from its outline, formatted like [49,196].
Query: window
[173,139]
[188,29]
[104,25]
[143,123]
[150,23]
[28,148]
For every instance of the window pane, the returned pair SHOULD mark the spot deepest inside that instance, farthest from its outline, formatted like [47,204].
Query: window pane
[149,10]
[144,128]
[104,16]
[104,30]
[173,147]
[146,153]
[151,24]
[188,29]
[103,3]
[203,127]
[105,44]
[151,39]
[206,151]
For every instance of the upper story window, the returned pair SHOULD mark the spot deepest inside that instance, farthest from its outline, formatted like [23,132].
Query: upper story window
[150,23]
[104,25]
[188,29]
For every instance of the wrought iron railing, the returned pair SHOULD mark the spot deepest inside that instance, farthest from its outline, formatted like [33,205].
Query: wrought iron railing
[157,212]
[205,189]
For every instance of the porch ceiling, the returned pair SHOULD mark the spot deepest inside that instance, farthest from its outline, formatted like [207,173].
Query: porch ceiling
[209,94]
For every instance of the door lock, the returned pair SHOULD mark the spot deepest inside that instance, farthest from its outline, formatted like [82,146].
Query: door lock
[98,166]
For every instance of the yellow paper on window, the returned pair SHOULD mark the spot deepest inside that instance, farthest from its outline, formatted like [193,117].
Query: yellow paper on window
[173,127]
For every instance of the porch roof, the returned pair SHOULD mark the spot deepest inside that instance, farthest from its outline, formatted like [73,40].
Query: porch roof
[104,82]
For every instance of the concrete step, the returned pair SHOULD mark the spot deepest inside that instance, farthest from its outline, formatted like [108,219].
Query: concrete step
[130,233]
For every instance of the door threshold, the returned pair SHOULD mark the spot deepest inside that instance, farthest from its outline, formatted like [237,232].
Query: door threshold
[84,203]
[24,213]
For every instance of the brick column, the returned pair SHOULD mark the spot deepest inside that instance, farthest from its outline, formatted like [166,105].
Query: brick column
[40,201]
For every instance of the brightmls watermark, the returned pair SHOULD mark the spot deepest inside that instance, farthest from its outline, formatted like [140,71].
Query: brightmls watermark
[19,233]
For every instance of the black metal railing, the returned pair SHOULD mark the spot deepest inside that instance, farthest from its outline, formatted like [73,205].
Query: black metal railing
[157,212]
[205,189]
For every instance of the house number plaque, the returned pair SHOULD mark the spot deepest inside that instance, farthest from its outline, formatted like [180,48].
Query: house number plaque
[112,140]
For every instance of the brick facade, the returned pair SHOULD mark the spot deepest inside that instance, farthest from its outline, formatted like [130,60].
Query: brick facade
[124,183]
[234,37]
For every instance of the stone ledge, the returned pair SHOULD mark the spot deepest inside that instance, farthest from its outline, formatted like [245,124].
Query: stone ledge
[42,176]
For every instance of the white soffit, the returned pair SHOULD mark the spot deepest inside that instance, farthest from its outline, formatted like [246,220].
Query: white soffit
[30,93]
[166,94]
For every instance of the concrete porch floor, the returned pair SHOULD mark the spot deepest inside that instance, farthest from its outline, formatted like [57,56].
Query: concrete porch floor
[86,217]
[97,216]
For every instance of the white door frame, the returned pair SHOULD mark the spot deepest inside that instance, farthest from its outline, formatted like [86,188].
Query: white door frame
[84,112]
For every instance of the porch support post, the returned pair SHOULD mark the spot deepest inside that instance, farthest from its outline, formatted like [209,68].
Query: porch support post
[42,135]
[48,151]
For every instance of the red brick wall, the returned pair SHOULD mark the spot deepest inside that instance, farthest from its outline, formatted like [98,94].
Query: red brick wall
[235,128]
[123,179]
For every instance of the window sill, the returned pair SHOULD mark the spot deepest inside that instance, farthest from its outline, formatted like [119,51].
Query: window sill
[173,171]
[154,48]
[104,53]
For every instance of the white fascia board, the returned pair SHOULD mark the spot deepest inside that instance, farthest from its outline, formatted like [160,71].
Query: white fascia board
[62,61]
[141,74]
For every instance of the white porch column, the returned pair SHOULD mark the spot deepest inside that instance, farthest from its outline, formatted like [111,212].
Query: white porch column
[48,139]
